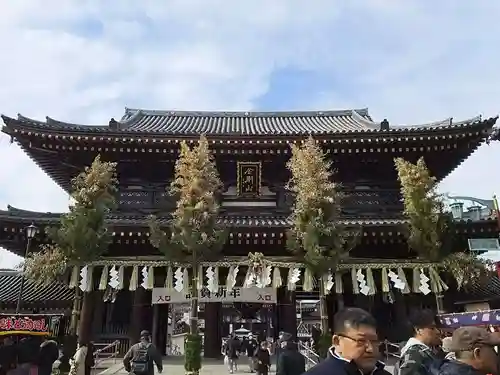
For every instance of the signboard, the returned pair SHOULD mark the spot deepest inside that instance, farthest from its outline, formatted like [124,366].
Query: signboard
[474,318]
[31,324]
[483,244]
[249,178]
[238,294]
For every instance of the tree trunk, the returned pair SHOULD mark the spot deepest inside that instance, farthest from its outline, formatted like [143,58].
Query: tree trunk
[322,307]
[193,319]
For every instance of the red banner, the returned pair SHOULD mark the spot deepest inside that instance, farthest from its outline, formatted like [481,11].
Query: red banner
[35,324]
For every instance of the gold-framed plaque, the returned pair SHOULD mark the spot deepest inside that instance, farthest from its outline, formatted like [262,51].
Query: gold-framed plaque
[249,176]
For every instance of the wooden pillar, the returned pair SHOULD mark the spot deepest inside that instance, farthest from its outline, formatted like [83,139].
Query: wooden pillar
[98,314]
[287,315]
[156,325]
[86,316]
[75,313]
[213,337]
[137,315]
[340,301]
[401,330]
[331,309]
[440,304]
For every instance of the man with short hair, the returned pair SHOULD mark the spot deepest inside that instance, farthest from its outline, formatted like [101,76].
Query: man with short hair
[48,353]
[355,346]
[417,355]
[474,351]
[141,357]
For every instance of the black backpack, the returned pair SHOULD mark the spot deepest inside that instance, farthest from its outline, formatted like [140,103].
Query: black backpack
[140,363]
[428,366]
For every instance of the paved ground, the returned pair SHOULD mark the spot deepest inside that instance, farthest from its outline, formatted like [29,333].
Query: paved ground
[175,366]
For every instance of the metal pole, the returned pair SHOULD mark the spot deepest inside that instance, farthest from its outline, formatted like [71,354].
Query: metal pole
[21,287]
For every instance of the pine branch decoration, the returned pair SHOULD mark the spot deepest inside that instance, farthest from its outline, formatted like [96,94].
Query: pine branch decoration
[83,234]
[192,230]
[423,207]
[430,229]
[316,233]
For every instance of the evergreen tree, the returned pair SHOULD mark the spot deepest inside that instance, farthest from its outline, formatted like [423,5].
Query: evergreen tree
[192,235]
[316,234]
[430,230]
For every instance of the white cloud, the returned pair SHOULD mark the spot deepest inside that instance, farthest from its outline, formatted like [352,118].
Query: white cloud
[409,61]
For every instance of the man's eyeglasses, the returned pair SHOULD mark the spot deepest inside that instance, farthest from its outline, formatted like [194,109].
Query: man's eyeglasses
[363,342]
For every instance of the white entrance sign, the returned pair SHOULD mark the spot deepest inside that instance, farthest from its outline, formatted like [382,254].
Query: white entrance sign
[484,244]
[237,294]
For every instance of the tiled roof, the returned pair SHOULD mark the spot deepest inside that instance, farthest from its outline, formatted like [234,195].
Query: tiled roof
[479,293]
[263,220]
[55,293]
[237,123]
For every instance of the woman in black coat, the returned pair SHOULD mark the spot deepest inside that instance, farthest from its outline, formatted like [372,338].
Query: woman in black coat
[263,359]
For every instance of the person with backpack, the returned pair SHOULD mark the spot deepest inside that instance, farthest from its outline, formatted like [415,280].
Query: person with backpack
[141,357]
[417,355]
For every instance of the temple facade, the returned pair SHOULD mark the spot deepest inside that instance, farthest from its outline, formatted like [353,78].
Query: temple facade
[132,287]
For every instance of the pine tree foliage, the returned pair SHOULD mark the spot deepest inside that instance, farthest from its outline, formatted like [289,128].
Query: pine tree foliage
[192,235]
[82,235]
[430,229]
[316,233]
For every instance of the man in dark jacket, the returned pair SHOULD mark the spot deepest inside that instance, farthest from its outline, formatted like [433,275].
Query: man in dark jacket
[231,351]
[417,354]
[290,361]
[8,356]
[355,346]
[141,357]
[250,346]
[47,355]
[474,351]
[283,338]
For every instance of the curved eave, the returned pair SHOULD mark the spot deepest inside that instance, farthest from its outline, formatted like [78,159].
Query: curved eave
[24,218]
[24,126]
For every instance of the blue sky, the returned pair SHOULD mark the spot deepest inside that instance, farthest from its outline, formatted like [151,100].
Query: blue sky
[411,61]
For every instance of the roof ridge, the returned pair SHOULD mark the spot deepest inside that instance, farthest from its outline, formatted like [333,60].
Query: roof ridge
[131,112]
[444,123]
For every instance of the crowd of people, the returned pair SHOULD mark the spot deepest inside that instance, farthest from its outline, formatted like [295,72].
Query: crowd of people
[39,355]
[355,348]
[20,355]
[288,359]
